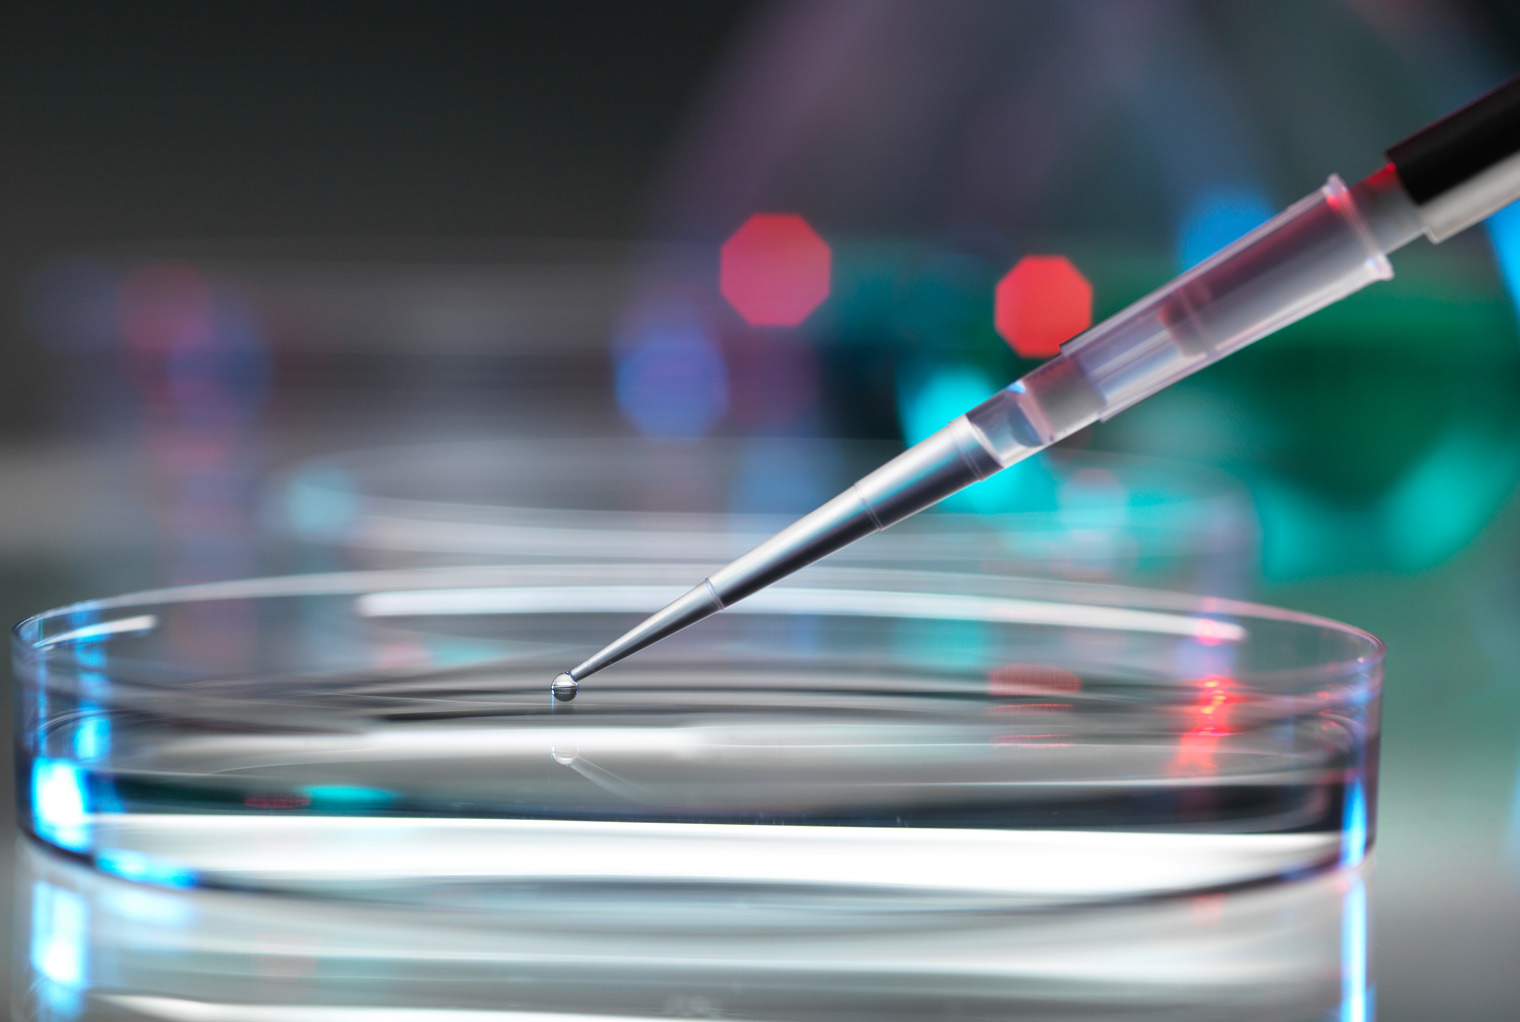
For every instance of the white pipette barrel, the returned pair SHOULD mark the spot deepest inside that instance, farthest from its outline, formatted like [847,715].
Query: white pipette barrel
[1321,249]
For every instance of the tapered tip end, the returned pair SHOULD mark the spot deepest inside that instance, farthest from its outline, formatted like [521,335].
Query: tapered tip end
[564,687]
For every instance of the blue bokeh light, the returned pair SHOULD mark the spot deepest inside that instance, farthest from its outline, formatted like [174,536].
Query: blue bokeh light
[321,501]
[670,377]
[1216,217]
[1504,235]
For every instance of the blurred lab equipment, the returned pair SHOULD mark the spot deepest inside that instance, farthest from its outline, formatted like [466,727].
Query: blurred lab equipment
[1439,181]
[1079,515]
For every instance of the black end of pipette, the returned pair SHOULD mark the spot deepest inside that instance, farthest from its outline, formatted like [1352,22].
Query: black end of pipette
[1463,167]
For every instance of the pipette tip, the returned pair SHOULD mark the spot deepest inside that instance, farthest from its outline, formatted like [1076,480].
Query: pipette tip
[564,687]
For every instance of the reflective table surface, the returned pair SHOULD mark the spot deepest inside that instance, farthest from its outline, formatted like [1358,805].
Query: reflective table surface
[99,947]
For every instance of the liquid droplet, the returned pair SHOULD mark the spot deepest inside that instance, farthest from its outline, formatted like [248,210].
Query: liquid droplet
[562,755]
[564,688]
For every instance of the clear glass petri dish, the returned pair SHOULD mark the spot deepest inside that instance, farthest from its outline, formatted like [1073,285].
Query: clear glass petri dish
[871,740]
[1076,515]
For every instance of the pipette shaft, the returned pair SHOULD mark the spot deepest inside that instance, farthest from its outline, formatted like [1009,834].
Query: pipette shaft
[1319,250]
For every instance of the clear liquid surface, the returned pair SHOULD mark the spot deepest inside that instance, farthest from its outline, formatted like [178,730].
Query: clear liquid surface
[464,786]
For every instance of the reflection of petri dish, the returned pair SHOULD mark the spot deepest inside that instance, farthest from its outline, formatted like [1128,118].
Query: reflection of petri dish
[880,738]
[110,949]
[1081,516]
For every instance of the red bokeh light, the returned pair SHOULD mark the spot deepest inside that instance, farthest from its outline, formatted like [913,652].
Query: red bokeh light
[1041,302]
[165,309]
[775,270]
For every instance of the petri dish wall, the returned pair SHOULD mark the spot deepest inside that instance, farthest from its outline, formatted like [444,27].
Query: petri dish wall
[1074,515]
[875,741]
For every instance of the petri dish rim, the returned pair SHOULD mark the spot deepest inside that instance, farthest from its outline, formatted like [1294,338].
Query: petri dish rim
[30,646]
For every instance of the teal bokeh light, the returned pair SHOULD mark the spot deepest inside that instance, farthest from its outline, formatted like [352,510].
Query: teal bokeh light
[928,399]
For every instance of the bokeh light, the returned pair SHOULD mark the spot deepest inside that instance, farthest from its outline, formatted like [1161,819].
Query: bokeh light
[322,501]
[1445,497]
[165,309]
[1041,302]
[197,358]
[927,401]
[670,377]
[1217,217]
[775,270]
[1504,235]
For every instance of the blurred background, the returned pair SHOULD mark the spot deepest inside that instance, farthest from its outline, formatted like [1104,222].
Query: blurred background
[243,242]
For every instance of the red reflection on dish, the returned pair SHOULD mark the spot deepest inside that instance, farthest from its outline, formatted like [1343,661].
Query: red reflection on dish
[1031,680]
[277,801]
[1040,681]
[1041,302]
[1209,632]
[1207,908]
[774,270]
[1209,717]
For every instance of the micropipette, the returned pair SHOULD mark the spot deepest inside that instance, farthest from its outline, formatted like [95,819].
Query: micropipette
[1331,244]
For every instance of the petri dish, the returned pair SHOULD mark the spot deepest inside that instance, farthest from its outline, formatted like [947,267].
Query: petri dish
[1079,515]
[868,740]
